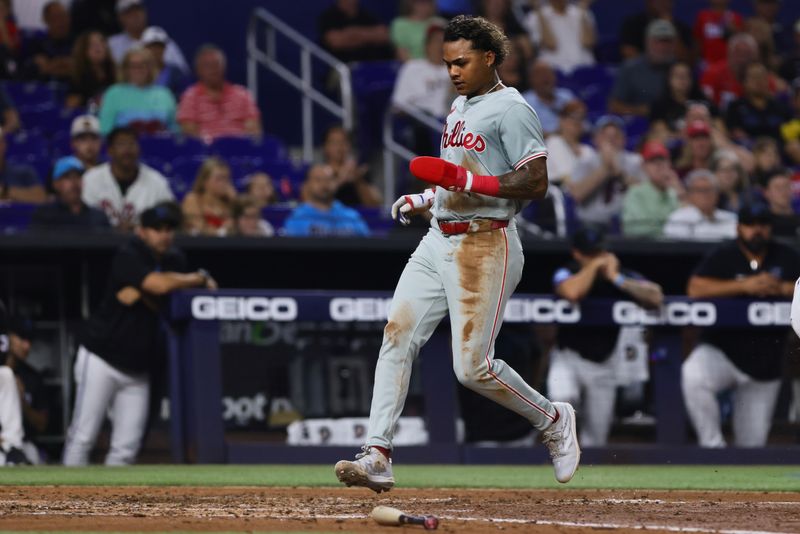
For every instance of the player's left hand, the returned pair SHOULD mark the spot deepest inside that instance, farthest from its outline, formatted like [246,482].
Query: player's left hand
[442,173]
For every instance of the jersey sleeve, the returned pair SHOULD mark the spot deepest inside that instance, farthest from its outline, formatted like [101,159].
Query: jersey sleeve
[128,269]
[521,135]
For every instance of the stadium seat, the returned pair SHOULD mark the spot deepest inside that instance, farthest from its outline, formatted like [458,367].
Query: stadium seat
[373,83]
[635,130]
[169,147]
[276,215]
[184,171]
[24,144]
[32,93]
[267,148]
[378,221]
[15,217]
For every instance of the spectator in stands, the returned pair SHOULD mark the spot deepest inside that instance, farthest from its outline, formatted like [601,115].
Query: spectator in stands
[424,83]
[701,111]
[734,185]
[8,114]
[564,32]
[632,32]
[30,384]
[136,101]
[599,182]
[766,14]
[214,107]
[778,194]
[721,80]
[68,211]
[93,70]
[351,33]
[512,69]
[353,186]
[124,187]
[499,12]
[713,27]
[790,130]
[668,112]
[544,96]
[208,207]
[648,205]
[409,31]
[98,15]
[50,55]
[260,189]
[757,113]
[9,40]
[749,361]
[565,151]
[766,158]
[156,40]
[700,219]
[583,366]
[28,14]
[642,80]
[247,220]
[698,148]
[321,214]
[18,183]
[790,67]
[133,19]
[85,140]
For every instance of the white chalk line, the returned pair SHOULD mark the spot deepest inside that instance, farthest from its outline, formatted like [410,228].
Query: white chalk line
[574,524]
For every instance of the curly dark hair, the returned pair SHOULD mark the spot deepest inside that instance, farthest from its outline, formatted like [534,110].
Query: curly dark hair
[481,33]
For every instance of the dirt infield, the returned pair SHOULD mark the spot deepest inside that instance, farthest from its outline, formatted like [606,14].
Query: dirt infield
[78,508]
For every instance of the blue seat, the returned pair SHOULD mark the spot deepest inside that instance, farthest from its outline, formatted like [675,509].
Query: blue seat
[591,75]
[635,130]
[168,147]
[41,165]
[31,93]
[378,221]
[268,147]
[24,144]
[276,215]
[15,217]
[373,83]
[184,171]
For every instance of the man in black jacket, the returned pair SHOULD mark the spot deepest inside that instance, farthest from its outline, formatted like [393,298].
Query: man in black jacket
[11,429]
[121,340]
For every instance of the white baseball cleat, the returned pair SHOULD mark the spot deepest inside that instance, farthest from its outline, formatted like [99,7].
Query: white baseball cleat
[371,469]
[561,440]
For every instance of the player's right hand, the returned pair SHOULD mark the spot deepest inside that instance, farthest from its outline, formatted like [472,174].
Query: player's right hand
[408,205]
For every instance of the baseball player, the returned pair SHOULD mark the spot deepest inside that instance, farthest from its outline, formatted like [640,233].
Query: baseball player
[121,339]
[12,432]
[492,161]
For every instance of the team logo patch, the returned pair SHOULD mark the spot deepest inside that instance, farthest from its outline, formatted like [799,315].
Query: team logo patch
[460,137]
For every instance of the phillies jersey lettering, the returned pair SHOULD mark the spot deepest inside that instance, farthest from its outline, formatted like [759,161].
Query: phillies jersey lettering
[493,134]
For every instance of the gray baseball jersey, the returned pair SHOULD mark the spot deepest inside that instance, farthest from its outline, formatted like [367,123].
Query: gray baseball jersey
[492,134]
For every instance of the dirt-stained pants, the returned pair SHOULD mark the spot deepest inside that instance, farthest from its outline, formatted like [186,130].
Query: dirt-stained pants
[471,276]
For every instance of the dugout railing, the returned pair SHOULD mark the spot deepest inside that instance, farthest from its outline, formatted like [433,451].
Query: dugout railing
[197,429]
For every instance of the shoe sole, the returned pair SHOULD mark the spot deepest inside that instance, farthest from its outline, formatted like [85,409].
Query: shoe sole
[350,476]
[573,429]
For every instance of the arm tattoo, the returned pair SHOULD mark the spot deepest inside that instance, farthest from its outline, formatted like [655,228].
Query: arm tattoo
[529,182]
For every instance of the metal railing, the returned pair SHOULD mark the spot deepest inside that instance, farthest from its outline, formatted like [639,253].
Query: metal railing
[266,57]
[393,149]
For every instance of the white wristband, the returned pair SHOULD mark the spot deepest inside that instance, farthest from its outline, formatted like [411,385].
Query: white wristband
[468,186]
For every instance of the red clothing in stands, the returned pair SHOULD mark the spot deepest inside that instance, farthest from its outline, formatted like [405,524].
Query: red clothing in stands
[222,116]
[711,32]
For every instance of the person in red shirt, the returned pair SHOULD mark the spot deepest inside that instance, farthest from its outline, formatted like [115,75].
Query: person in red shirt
[713,26]
[721,81]
[214,107]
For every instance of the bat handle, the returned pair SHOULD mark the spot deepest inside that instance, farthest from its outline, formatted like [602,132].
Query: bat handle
[429,522]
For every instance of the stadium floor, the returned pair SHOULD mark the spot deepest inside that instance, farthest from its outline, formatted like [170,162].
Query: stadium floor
[467,499]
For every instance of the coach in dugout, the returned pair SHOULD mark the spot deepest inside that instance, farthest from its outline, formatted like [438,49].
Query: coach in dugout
[745,361]
[122,340]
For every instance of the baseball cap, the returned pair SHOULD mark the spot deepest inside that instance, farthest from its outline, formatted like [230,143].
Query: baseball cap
[661,29]
[21,326]
[588,241]
[125,5]
[67,164]
[654,150]
[609,120]
[155,34]
[84,124]
[697,128]
[165,214]
[755,213]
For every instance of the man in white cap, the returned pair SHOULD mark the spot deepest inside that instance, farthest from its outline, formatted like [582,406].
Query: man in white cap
[85,140]
[156,40]
[133,19]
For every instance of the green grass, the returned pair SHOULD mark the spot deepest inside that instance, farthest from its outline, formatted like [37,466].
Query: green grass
[748,478]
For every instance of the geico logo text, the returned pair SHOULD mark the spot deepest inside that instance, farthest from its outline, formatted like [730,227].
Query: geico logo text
[244,308]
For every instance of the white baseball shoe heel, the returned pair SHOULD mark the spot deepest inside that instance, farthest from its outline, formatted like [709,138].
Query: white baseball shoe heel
[371,469]
[561,440]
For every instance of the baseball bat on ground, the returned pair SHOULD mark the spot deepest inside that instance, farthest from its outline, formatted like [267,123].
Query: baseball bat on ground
[392,517]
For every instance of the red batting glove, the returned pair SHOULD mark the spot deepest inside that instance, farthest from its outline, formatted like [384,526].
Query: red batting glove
[453,177]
